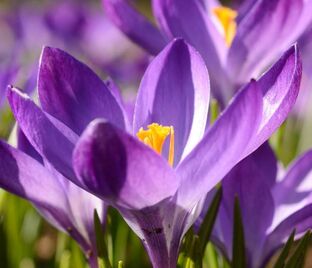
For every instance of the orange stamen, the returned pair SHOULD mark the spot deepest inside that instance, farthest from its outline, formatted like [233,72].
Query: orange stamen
[226,17]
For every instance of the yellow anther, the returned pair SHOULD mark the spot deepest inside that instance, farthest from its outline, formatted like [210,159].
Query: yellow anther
[155,135]
[226,17]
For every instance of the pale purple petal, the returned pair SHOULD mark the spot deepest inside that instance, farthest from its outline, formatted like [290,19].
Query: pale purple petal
[134,25]
[222,146]
[175,92]
[296,184]
[120,169]
[280,87]
[116,92]
[73,93]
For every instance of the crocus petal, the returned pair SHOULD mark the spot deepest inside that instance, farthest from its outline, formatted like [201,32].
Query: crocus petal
[301,220]
[222,146]
[22,175]
[280,87]
[73,93]
[250,181]
[120,169]
[134,25]
[293,191]
[80,203]
[199,31]
[115,90]
[52,140]
[27,178]
[24,145]
[175,92]
[296,184]
[276,24]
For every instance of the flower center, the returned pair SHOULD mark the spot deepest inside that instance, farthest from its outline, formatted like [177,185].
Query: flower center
[155,135]
[226,17]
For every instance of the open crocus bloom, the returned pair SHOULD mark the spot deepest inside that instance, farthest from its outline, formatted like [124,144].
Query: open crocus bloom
[156,170]
[235,44]
[272,206]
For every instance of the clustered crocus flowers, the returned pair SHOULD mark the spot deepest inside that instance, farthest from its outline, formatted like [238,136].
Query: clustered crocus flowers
[156,184]
[80,149]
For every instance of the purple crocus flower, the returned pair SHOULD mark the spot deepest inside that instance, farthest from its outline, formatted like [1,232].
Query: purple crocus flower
[272,204]
[69,208]
[236,44]
[116,160]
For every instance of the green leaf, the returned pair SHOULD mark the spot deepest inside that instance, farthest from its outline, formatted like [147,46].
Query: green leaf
[186,245]
[209,220]
[100,242]
[297,259]
[193,258]
[280,263]
[214,111]
[238,251]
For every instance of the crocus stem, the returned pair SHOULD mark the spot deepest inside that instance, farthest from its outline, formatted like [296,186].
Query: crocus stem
[93,262]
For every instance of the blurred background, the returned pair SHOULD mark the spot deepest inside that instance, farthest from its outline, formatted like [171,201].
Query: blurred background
[80,28]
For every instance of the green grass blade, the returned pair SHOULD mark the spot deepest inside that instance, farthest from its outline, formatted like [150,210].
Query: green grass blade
[239,255]
[280,263]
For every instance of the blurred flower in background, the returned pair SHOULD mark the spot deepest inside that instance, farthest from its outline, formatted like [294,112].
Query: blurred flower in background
[78,27]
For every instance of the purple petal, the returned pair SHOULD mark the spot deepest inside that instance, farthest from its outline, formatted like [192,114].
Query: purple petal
[49,137]
[27,178]
[72,93]
[264,33]
[175,92]
[22,175]
[280,87]
[134,25]
[250,181]
[296,183]
[81,204]
[24,145]
[116,92]
[120,169]
[222,146]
